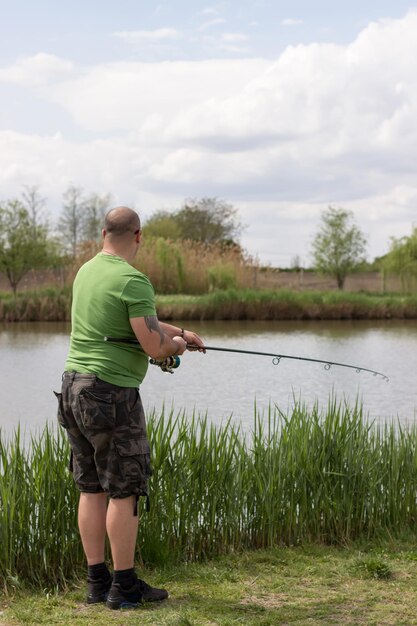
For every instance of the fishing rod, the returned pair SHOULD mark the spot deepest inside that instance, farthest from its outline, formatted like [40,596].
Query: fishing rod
[172,362]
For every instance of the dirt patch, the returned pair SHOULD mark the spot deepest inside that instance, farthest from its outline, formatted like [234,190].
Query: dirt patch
[270,601]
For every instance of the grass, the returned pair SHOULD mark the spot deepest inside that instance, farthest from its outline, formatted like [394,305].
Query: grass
[43,305]
[37,511]
[289,585]
[229,304]
[285,304]
[311,476]
[309,520]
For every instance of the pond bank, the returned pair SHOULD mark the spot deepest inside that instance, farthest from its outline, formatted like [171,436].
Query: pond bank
[233,304]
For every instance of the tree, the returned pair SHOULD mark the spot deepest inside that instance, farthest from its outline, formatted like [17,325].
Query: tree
[72,218]
[95,208]
[162,224]
[20,251]
[209,220]
[35,205]
[296,263]
[402,258]
[339,247]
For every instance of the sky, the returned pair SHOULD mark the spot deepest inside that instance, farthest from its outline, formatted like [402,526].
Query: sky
[278,108]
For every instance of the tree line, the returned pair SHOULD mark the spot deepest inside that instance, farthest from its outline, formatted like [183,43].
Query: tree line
[29,241]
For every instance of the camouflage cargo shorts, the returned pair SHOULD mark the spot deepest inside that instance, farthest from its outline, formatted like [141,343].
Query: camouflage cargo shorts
[106,429]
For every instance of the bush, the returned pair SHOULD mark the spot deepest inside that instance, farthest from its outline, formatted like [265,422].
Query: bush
[221,276]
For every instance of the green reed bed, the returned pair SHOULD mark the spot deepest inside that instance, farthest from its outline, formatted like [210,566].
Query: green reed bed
[285,304]
[310,476]
[38,536]
[230,304]
[45,305]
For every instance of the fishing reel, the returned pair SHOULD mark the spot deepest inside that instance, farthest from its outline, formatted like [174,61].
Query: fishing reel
[167,365]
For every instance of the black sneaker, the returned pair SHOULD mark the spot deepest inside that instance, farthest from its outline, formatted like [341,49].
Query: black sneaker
[98,590]
[140,592]
[151,594]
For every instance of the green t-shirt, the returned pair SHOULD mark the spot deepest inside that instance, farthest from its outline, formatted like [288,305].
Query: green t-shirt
[107,292]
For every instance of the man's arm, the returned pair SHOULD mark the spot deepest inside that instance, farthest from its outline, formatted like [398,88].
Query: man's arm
[154,339]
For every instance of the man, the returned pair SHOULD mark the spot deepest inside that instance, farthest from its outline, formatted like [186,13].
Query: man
[101,408]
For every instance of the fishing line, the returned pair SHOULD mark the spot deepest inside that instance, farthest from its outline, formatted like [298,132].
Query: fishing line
[276,358]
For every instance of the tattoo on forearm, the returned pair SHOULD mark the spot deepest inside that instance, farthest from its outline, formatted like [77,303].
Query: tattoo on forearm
[152,324]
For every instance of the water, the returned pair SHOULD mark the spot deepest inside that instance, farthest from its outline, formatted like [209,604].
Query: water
[223,384]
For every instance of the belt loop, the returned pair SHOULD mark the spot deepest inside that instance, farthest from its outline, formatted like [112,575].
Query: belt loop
[69,376]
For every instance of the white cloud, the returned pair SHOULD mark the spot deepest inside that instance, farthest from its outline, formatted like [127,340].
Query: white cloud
[322,124]
[234,37]
[210,24]
[37,70]
[289,21]
[53,162]
[229,44]
[211,10]
[147,97]
[320,103]
[141,36]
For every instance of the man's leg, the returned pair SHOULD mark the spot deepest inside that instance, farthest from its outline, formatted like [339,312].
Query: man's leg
[127,589]
[122,530]
[92,510]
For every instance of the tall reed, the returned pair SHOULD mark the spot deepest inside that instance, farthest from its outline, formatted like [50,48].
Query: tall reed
[39,541]
[318,475]
[193,267]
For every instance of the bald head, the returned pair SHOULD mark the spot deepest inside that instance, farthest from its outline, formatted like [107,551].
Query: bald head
[120,221]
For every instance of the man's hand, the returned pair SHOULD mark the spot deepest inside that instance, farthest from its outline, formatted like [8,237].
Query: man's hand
[194,342]
[182,345]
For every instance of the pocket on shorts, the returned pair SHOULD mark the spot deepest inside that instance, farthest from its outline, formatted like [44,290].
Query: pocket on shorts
[60,412]
[98,410]
[135,463]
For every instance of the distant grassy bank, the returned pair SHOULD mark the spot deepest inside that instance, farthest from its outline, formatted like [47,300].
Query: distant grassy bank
[231,304]
[285,304]
[45,305]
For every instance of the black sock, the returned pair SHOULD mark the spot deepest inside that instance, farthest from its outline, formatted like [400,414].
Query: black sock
[98,571]
[125,577]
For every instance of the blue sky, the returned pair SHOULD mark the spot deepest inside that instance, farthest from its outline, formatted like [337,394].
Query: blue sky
[279,108]
[83,30]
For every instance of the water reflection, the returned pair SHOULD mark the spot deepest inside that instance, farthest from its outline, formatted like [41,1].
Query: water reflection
[223,384]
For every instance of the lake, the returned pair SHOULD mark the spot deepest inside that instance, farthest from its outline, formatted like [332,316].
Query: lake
[226,384]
